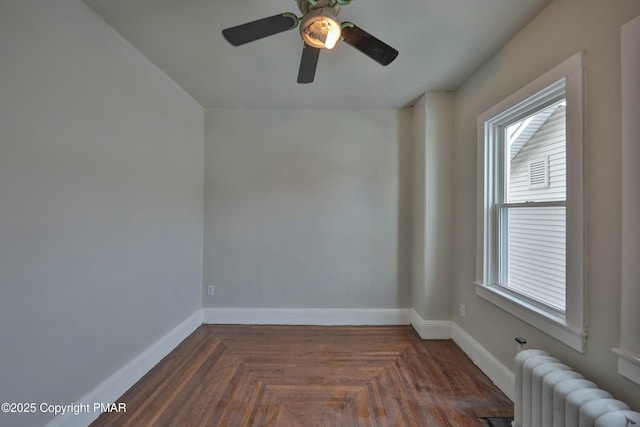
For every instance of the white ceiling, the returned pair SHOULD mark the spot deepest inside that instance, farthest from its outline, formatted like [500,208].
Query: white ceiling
[441,42]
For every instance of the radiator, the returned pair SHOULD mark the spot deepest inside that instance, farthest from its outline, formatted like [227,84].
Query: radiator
[549,393]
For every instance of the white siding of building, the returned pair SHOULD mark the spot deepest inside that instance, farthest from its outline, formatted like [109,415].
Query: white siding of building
[537,238]
[547,142]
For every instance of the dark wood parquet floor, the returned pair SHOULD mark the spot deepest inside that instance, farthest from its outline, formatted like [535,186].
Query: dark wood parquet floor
[311,376]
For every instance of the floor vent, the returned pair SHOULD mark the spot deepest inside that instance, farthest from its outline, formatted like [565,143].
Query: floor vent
[497,421]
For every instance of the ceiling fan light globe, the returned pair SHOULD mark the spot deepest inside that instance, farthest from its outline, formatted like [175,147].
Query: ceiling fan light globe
[320,29]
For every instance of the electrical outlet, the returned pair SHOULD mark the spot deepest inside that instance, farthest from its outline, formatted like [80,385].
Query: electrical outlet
[210,290]
[462,310]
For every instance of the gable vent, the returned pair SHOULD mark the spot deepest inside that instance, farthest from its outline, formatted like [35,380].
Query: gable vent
[539,173]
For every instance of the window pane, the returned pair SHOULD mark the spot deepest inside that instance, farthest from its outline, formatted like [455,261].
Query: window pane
[535,164]
[535,253]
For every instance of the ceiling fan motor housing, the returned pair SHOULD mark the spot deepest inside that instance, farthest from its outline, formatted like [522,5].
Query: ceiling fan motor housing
[305,6]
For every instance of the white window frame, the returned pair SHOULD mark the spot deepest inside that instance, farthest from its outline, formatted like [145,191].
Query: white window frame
[569,327]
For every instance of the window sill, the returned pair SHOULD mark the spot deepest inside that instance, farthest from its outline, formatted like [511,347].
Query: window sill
[552,325]
[628,364]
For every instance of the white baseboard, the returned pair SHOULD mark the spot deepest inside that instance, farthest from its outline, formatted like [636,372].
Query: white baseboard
[306,316]
[120,381]
[431,329]
[502,377]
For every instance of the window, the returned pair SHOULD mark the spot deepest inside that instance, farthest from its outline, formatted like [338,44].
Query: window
[530,204]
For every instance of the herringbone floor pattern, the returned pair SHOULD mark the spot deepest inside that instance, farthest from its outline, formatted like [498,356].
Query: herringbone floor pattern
[311,376]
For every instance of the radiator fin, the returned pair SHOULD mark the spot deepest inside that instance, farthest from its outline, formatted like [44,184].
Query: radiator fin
[549,393]
[618,418]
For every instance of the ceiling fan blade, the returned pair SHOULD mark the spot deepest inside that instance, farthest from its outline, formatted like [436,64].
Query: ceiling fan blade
[264,27]
[308,64]
[374,48]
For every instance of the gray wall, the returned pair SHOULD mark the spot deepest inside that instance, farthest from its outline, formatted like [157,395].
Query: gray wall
[308,208]
[101,201]
[432,205]
[561,30]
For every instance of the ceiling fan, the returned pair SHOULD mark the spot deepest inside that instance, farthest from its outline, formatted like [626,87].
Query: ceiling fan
[319,28]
